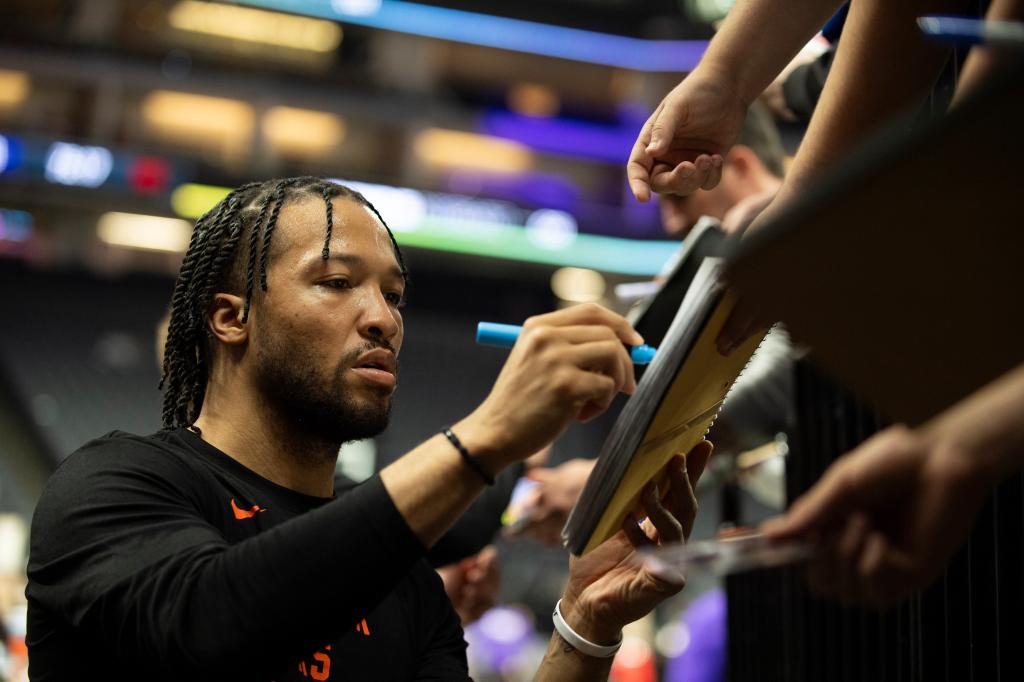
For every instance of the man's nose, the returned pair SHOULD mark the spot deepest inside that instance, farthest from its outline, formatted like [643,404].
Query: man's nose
[378,318]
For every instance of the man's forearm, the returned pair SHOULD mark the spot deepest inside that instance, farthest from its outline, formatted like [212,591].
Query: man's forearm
[562,663]
[882,67]
[758,39]
[431,486]
[989,425]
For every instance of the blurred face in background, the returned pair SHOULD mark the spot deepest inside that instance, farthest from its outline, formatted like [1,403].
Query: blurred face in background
[743,175]
[325,336]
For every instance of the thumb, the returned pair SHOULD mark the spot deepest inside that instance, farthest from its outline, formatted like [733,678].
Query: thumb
[663,129]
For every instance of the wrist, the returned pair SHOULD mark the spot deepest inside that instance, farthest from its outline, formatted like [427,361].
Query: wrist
[483,442]
[726,76]
[587,622]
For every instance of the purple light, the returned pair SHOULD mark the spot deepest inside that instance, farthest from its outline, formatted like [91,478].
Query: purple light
[565,137]
[528,189]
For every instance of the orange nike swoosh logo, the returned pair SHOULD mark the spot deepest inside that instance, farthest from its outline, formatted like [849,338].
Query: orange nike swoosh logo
[242,514]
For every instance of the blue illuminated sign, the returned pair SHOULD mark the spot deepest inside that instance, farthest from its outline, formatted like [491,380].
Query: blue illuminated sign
[502,32]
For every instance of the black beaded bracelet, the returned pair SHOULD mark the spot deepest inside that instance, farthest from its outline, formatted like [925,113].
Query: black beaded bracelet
[466,457]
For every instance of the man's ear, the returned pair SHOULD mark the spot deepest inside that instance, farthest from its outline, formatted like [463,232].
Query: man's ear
[741,158]
[225,320]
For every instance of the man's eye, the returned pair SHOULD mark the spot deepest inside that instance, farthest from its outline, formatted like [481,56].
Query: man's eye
[336,284]
[396,299]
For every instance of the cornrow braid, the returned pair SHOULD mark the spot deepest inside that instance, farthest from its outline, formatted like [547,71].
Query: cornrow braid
[179,368]
[254,240]
[268,232]
[216,262]
[329,201]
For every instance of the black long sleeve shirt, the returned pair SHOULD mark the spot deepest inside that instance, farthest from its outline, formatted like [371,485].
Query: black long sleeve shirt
[162,558]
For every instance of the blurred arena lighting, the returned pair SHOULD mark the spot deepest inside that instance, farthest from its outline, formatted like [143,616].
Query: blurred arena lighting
[472,226]
[474,28]
[359,8]
[673,639]
[192,199]
[578,285]
[255,26]
[13,544]
[78,165]
[458,149]
[15,226]
[562,136]
[189,118]
[533,99]
[709,11]
[406,207]
[302,131]
[634,662]
[550,228]
[149,174]
[5,153]
[14,88]
[146,232]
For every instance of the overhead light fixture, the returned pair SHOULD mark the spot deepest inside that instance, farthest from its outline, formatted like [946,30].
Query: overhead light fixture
[578,285]
[257,26]
[14,87]
[457,149]
[190,118]
[146,232]
[302,131]
[533,99]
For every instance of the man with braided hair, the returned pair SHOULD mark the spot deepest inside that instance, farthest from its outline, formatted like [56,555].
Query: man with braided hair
[223,547]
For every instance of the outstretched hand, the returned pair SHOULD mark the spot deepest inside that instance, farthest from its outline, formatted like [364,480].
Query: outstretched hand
[888,515]
[548,505]
[610,587]
[681,147]
[473,584]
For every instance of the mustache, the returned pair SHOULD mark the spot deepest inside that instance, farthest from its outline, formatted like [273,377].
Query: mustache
[384,344]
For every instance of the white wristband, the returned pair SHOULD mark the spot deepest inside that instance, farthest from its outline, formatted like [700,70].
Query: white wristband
[584,646]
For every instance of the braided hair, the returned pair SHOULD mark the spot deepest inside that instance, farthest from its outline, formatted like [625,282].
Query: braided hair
[214,262]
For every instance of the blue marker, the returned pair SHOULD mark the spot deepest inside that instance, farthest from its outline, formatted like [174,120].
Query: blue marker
[505,335]
[968,31]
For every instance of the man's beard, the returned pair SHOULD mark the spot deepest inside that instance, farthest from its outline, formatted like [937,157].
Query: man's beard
[320,408]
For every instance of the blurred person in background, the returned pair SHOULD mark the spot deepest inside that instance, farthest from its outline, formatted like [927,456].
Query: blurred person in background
[220,547]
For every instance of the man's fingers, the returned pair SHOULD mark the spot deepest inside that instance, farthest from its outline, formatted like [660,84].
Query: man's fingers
[587,314]
[638,167]
[668,526]
[740,326]
[697,460]
[714,172]
[636,536]
[848,551]
[596,392]
[819,507]
[606,357]
[663,128]
[685,179]
[638,171]
[682,503]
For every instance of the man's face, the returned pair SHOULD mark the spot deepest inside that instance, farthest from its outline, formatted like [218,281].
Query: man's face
[326,334]
[680,214]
